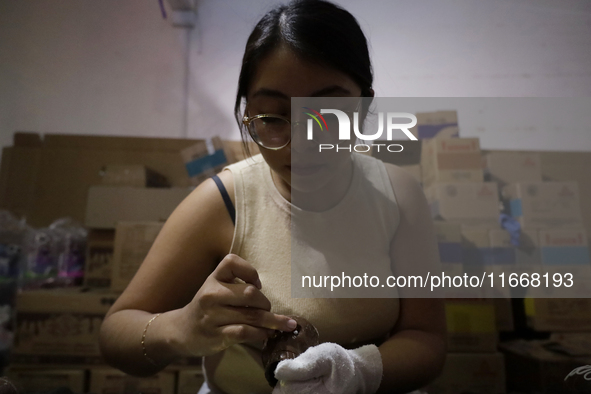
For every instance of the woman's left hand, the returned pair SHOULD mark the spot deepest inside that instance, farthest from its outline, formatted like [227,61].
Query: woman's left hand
[330,368]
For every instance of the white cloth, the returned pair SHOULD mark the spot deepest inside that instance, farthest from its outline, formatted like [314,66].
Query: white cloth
[329,368]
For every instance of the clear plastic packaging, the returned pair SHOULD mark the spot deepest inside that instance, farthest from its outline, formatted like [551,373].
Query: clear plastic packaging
[12,232]
[70,237]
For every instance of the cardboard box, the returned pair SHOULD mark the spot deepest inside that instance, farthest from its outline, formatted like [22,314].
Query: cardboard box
[466,203]
[236,151]
[502,250]
[471,325]
[189,381]
[471,373]
[449,241]
[133,241]
[43,380]
[409,156]
[60,326]
[112,381]
[558,314]
[544,204]
[99,258]
[415,171]
[108,205]
[573,167]
[504,314]
[132,175]
[438,124]
[208,157]
[204,159]
[46,179]
[532,367]
[564,246]
[509,167]
[451,160]
[528,253]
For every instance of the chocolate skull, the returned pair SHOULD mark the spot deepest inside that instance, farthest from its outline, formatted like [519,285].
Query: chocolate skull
[288,345]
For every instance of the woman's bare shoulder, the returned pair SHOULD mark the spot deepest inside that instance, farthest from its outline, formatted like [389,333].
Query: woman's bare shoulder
[194,239]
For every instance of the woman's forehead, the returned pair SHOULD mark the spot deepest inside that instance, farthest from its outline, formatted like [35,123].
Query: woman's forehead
[283,74]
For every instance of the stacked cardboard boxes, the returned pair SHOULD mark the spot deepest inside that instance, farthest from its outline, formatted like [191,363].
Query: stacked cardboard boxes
[451,160]
[60,326]
[110,180]
[409,157]
[466,212]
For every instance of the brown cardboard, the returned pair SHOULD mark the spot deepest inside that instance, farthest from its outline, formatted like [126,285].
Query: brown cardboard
[471,325]
[189,381]
[504,314]
[509,167]
[132,175]
[558,314]
[43,380]
[448,231]
[415,171]
[451,160]
[60,322]
[467,203]
[133,241]
[544,204]
[471,373]
[50,179]
[444,124]
[571,166]
[112,381]
[410,154]
[201,150]
[567,166]
[99,258]
[234,151]
[108,205]
[532,367]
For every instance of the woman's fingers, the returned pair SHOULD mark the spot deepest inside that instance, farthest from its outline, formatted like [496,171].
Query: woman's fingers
[240,333]
[232,267]
[257,318]
[239,308]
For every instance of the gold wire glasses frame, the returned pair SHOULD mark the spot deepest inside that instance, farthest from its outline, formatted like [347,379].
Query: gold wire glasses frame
[272,131]
[269,131]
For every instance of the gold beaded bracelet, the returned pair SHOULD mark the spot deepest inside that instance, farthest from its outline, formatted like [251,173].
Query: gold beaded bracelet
[144,341]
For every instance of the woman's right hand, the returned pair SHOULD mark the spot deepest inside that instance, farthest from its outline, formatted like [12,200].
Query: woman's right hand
[229,308]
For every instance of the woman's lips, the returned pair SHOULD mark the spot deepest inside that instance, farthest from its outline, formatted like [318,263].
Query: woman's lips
[305,170]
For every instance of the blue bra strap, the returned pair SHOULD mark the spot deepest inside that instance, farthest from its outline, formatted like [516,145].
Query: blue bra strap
[226,198]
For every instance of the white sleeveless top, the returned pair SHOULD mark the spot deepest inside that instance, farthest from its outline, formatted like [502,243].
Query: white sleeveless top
[263,237]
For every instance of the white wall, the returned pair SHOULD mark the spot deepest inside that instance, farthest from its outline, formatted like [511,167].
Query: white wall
[90,67]
[116,67]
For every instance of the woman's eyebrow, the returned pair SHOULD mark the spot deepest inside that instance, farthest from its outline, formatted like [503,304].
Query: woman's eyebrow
[330,90]
[270,93]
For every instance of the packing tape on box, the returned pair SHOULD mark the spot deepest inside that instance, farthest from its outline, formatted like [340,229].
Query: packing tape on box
[203,164]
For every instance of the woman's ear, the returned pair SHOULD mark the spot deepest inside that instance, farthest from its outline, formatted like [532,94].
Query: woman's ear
[371,92]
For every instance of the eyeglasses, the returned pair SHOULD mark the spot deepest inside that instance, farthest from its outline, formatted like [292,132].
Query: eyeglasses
[274,132]
[268,130]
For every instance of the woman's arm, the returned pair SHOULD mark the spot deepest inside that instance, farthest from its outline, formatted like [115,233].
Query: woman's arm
[414,355]
[204,306]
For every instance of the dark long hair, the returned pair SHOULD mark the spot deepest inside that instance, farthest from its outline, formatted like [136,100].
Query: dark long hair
[318,31]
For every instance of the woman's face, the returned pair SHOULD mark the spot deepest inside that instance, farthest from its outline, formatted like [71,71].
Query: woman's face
[279,77]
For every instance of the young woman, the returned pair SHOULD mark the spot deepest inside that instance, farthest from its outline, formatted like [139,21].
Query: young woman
[216,289]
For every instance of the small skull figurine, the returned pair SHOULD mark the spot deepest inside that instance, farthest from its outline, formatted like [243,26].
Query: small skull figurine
[287,345]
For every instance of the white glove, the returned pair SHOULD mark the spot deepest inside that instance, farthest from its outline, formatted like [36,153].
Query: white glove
[329,368]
